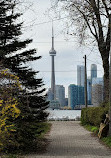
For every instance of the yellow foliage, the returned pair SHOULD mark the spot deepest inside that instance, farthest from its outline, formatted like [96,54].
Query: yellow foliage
[1,101]
[5,74]
[10,109]
[8,106]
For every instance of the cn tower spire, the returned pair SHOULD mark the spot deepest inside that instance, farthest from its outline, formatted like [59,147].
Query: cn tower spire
[52,54]
[52,37]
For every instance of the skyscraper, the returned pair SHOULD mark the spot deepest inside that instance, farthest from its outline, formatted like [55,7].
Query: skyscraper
[97,91]
[98,80]
[93,75]
[81,100]
[89,88]
[80,75]
[52,54]
[97,94]
[72,96]
[75,95]
[93,71]
[49,95]
[60,94]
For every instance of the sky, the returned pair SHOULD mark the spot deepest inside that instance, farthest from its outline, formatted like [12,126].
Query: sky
[38,26]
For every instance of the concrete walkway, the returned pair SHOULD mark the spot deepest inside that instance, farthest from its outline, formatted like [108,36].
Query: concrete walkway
[70,140]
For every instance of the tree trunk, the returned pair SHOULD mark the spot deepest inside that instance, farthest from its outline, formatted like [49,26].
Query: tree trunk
[106,77]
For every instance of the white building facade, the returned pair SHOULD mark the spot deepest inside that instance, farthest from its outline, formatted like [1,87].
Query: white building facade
[80,75]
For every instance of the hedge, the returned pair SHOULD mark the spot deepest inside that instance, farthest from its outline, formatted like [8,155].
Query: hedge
[93,115]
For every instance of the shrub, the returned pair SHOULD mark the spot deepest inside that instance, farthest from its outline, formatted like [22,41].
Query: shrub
[93,115]
[94,129]
[19,127]
[9,107]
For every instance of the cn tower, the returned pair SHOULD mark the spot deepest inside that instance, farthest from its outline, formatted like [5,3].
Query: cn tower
[52,54]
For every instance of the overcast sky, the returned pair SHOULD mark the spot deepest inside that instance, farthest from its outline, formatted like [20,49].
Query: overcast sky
[69,53]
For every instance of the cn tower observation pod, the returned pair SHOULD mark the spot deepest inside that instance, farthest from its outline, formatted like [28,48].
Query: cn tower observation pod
[52,52]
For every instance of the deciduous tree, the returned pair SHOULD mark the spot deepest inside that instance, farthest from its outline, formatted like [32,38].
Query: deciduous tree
[91,16]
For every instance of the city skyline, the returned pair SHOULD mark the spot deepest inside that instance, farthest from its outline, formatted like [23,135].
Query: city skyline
[69,52]
[76,93]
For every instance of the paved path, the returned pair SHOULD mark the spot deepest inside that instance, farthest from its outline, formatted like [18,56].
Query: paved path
[70,140]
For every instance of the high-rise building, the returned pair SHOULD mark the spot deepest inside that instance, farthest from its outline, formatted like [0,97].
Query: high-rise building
[66,101]
[72,96]
[89,90]
[60,94]
[81,100]
[80,75]
[93,71]
[97,94]
[75,95]
[53,104]
[52,54]
[98,80]
[97,91]
[93,75]
[49,95]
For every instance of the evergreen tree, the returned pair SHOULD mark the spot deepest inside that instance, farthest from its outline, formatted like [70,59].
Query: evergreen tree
[11,44]
[12,56]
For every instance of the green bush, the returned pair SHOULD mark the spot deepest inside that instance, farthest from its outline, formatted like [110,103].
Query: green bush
[93,115]
[94,129]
